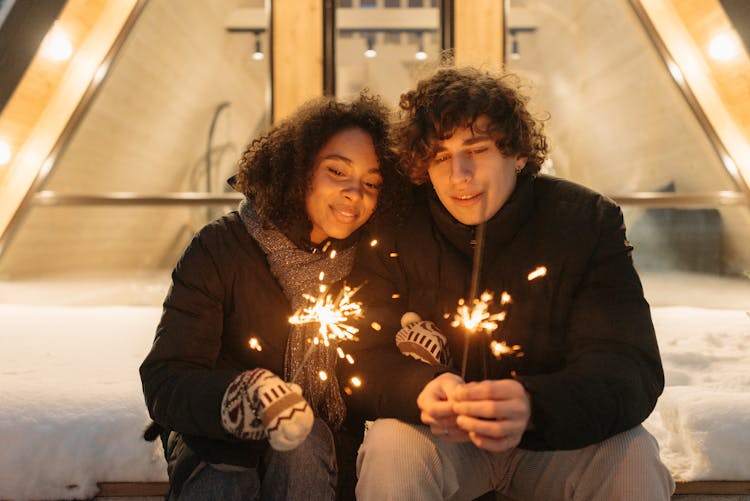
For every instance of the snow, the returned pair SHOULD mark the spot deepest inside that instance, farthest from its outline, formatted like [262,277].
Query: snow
[71,407]
[702,420]
[72,411]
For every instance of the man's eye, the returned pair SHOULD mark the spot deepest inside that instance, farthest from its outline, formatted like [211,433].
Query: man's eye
[440,159]
[374,185]
[481,149]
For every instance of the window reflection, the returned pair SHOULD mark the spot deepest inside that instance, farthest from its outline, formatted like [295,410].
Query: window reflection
[382,44]
[619,124]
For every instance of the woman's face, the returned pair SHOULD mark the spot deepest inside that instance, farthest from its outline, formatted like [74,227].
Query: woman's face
[345,185]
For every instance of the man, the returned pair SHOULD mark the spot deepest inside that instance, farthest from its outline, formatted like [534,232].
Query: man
[563,420]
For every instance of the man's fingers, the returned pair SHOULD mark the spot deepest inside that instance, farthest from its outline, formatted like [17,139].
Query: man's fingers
[491,409]
[439,410]
[491,428]
[498,389]
[494,444]
[449,432]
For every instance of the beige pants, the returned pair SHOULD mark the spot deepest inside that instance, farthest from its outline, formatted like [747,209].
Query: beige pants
[398,461]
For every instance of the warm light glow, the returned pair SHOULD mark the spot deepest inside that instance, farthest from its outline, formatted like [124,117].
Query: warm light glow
[505,298]
[56,45]
[373,242]
[255,344]
[676,72]
[323,375]
[349,358]
[539,272]
[500,348]
[478,317]
[258,56]
[321,276]
[356,381]
[370,53]
[420,55]
[5,153]
[376,326]
[331,314]
[724,46]
[393,254]
[333,254]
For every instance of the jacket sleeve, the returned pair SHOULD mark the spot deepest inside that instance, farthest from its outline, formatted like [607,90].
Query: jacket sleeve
[612,374]
[391,381]
[182,387]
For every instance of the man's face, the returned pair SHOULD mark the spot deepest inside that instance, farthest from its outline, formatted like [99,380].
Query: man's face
[471,176]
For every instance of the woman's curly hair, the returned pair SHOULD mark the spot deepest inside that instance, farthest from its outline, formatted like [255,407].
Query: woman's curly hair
[456,97]
[276,169]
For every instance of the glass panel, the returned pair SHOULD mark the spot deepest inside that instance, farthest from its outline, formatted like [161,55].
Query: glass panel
[185,94]
[619,124]
[382,47]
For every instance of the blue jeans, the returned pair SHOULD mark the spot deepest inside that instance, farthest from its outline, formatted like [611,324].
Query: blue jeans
[307,472]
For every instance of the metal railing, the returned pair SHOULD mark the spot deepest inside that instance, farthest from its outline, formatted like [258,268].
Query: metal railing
[195,198]
[125,198]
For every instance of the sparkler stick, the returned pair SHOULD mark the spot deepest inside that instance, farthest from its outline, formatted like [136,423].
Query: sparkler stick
[474,285]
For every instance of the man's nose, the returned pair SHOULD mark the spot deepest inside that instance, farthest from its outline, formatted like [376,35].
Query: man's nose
[461,169]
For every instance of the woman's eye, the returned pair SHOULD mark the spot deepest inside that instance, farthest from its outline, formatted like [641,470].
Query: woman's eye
[373,185]
[336,172]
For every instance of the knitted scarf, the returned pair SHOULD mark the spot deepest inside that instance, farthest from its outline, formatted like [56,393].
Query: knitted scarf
[298,271]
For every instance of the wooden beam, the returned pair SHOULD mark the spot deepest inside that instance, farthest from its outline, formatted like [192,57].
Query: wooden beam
[136,489]
[297,54]
[713,487]
[131,489]
[49,95]
[20,35]
[478,36]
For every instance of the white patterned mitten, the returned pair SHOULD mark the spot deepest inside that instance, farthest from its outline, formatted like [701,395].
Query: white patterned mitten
[258,404]
[421,339]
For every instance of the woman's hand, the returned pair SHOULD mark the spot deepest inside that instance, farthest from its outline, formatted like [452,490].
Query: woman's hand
[494,413]
[436,403]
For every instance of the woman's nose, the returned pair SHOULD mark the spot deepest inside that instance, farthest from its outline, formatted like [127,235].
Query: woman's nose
[353,190]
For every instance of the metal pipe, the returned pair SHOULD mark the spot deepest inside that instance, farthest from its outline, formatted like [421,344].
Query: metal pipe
[683,200]
[123,198]
[641,199]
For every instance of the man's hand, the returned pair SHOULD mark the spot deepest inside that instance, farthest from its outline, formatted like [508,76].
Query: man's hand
[494,413]
[436,404]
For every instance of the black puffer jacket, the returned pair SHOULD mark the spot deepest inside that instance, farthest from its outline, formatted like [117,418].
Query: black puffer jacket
[222,295]
[591,363]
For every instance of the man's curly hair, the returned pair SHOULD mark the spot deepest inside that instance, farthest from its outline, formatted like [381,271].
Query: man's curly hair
[276,169]
[456,97]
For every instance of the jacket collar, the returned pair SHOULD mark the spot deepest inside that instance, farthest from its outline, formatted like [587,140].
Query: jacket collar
[500,228]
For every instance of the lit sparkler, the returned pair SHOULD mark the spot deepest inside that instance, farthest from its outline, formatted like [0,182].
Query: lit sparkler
[477,318]
[540,271]
[331,314]
[499,349]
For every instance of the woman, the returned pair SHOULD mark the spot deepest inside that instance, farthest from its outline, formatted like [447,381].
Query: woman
[224,345]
